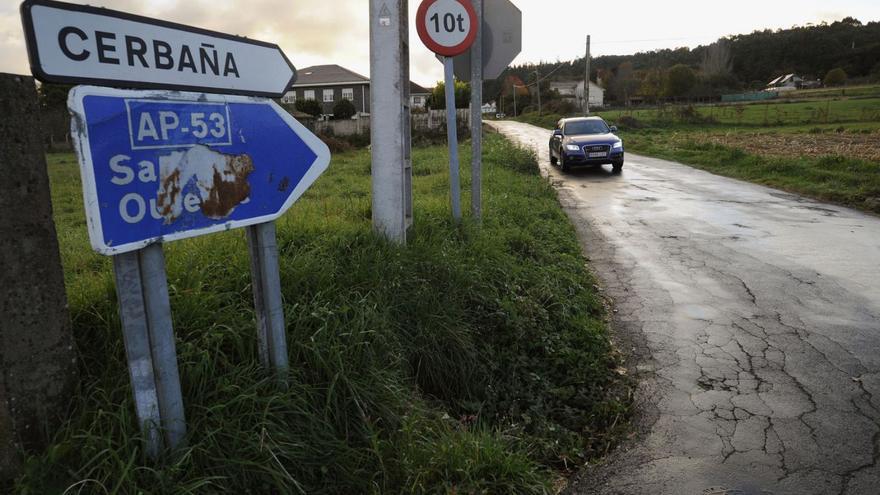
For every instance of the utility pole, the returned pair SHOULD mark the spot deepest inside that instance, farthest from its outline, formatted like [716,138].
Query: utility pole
[390,117]
[587,79]
[538,86]
[514,98]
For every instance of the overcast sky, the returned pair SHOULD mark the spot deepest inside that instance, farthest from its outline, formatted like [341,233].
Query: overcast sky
[337,31]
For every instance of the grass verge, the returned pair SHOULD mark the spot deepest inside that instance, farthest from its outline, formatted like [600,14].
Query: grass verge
[474,360]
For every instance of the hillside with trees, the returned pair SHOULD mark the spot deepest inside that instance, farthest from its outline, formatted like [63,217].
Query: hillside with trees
[731,64]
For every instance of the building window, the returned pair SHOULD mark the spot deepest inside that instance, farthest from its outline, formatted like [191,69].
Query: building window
[328,96]
[289,97]
[348,94]
[309,94]
[417,100]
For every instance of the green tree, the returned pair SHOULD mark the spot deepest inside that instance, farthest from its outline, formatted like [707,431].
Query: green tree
[344,109]
[462,95]
[652,85]
[310,106]
[835,77]
[679,80]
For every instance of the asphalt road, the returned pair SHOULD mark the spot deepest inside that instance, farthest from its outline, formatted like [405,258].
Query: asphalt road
[752,320]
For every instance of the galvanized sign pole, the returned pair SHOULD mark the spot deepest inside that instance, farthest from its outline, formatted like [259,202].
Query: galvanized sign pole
[448,28]
[452,138]
[148,335]
[477,117]
[265,276]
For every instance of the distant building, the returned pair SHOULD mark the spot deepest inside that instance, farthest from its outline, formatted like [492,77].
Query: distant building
[788,82]
[575,90]
[418,95]
[512,82]
[328,84]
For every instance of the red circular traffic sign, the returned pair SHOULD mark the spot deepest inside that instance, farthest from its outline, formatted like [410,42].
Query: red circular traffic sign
[447,27]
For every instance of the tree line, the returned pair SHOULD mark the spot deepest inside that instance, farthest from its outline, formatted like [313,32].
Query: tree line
[845,49]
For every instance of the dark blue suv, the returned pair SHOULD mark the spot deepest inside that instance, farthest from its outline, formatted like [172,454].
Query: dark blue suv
[585,141]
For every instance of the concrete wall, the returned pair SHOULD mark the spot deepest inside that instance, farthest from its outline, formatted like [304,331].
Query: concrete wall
[37,367]
[429,120]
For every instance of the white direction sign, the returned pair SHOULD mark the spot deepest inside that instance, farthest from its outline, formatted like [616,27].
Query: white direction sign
[502,40]
[80,44]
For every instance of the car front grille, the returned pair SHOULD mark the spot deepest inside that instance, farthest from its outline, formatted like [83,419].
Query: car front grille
[596,148]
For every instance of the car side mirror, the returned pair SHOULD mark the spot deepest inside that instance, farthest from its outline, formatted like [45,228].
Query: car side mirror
[614,128]
[557,132]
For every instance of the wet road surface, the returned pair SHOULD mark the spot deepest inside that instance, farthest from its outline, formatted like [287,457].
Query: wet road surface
[752,318]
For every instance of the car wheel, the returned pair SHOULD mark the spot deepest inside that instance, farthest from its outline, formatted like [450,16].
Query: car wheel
[552,158]
[617,167]
[563,165]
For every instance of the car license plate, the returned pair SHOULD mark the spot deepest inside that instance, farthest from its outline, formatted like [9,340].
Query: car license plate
[598,154]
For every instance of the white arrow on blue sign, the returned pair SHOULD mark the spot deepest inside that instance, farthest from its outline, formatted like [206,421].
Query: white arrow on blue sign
[161,166]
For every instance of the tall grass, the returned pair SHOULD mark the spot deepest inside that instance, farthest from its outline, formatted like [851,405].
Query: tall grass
[474,360]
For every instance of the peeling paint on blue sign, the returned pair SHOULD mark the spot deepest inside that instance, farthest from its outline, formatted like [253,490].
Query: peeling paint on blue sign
[160,166]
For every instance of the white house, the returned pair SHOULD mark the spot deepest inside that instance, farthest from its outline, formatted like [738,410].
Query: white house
[575,90]
[788,82]
[597,95]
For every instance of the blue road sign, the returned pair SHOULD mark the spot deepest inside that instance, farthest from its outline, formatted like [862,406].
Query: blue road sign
[160,165]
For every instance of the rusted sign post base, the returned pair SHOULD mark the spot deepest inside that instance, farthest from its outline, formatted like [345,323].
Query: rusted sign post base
[145,310]
[268,305]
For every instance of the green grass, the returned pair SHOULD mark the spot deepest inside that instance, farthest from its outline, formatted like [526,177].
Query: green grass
[837,179]
[872,90]
[474,360]
[773,113]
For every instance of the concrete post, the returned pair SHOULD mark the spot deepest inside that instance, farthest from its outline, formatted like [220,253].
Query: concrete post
[37,360]
[390,132]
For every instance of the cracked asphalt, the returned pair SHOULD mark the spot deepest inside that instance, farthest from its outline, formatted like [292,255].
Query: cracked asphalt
[751,321]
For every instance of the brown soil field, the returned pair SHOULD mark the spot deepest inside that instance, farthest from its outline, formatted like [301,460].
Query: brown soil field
[863,146]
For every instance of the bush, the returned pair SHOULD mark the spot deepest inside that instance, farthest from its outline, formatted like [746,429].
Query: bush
[835,77]
[629,122]
[311,107]
[344,109]
[560,106]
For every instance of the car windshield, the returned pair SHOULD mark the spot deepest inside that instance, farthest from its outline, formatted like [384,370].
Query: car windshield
[586,127]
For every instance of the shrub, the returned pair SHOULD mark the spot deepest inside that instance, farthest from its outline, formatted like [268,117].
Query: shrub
[344,109]
[835,77]
[311,107]
[629,122]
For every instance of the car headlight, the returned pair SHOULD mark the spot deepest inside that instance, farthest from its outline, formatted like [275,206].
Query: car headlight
[572,147]
[618,145]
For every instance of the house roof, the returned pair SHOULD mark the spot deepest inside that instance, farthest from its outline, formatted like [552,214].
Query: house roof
[415,89]
[318,75]
[332,74]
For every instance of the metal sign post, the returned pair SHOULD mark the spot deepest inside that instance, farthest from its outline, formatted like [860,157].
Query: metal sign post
[265,276]
[145,311]
[448,28]
[452,138]
[477,117]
